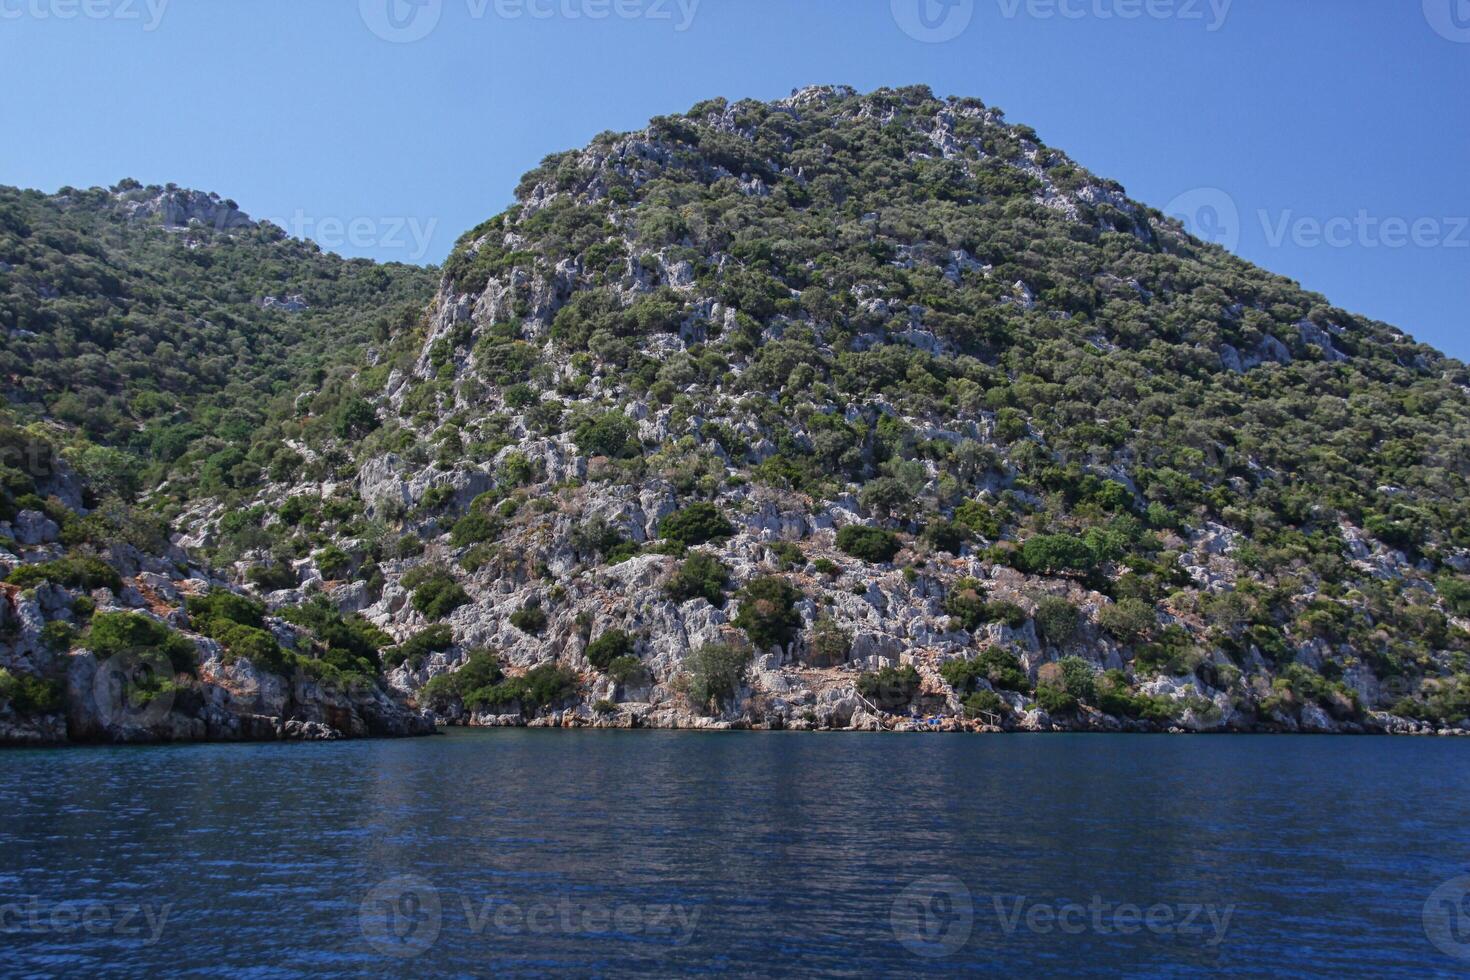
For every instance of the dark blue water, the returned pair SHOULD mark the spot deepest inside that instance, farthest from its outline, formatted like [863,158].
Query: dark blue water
[678,853]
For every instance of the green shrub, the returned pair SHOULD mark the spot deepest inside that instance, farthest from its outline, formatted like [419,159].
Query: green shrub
[121,632]
[966,603]
[610,434]
[947,536]
[695,524]
[530,618]
[1115,696]
[870,544]
[438,595]
[627,670]
[827,643]
[58,636]
[412,651]
[537,688]
[1130,620]
[701,576]
[889,688]
[333,562]
[610,646]
[1003,669]
[83,572]
[1058,620]
[983,703]
[28,694]
[476,527]
[222,604]
[768,612]
[273,577]
[826,566]
[1053,554]
[480,672]
[1062,686]
[715,674]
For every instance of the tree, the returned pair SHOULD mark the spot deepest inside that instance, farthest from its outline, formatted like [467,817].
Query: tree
[695,524]
[768,612]
[354,418]
[1057,618]
[715,674]
[870,544]
[1052,554]
[701,576]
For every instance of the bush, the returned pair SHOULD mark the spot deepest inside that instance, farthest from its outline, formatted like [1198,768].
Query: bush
[610,646]
[530,618]
[222,605]
[828,644]
[272,577]
[889,688]
[982,704]
[58,636]
[715,674]
[627,670]
[28,694]
[435,639]
[695,524]
[333,562]
[1003,669]
[439,595]
[1061,686]
[82,572]
[768,612]
[1115,696]
[1130,620]
[609,434]
[947,536]
[1053,554]
[966,603]
[481,672]
[870,544]
[701,576]
[121,632]
[1057,619]
[258,646]
[475,527]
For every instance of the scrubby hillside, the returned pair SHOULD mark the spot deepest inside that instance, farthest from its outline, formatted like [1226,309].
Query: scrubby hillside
[149,334]
[872,411]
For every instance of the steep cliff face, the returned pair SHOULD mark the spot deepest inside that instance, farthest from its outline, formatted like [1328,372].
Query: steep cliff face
[871,411]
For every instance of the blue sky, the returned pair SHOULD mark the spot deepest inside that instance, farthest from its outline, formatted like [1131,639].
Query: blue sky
[1326,140]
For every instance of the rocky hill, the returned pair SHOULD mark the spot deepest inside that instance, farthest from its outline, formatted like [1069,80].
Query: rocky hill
[144,347]
[864,411]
